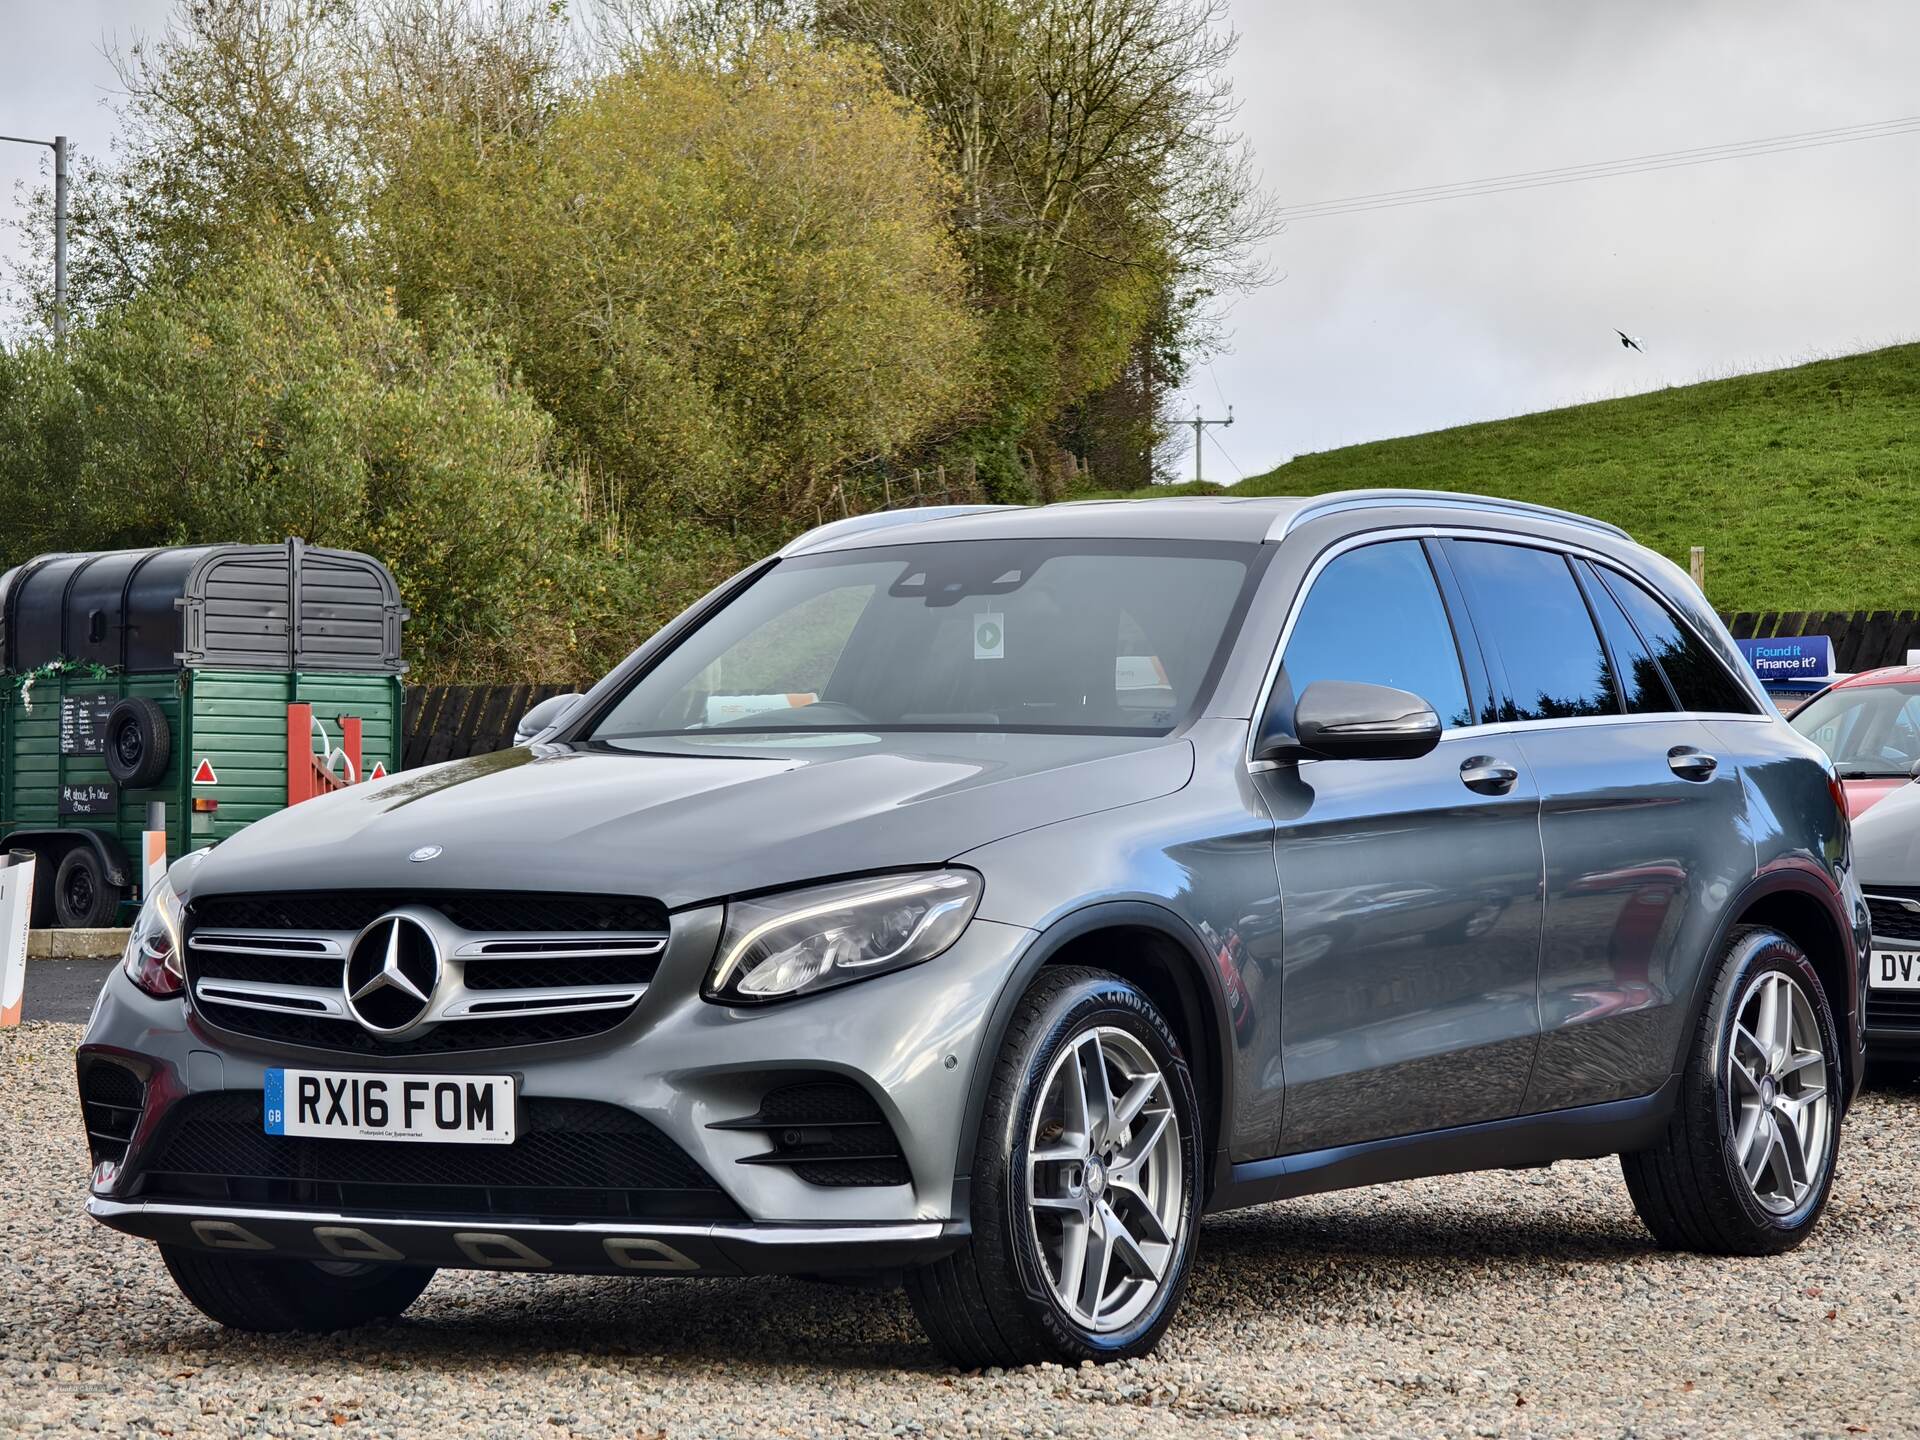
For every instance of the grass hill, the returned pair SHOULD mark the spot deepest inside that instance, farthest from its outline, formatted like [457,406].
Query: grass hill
[1803,484]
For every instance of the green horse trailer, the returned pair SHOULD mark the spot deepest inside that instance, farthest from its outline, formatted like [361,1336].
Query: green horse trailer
[223,681]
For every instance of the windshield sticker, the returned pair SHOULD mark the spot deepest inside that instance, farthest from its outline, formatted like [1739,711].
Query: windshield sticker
[723,708]
[989,635]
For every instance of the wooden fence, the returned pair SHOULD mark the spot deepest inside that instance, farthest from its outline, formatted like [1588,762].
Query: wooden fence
[1862,639]
[449,722]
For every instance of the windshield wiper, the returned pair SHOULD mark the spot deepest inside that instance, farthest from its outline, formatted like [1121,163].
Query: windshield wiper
[1857,774]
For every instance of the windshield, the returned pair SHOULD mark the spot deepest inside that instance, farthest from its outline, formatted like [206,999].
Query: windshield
[1069,635]
[1869,730]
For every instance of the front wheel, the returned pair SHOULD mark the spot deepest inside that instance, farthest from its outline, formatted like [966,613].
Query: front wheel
[248,1292]
[1747,1160]
[1086,1186]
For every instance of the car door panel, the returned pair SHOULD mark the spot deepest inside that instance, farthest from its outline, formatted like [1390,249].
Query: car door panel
[1412,931]
[1639,871]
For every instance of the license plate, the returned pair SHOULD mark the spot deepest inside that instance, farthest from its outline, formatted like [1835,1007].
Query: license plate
[358,1105]
[1894,970]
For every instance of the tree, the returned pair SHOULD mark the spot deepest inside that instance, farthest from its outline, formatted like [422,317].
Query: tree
[264,398]
[728,283]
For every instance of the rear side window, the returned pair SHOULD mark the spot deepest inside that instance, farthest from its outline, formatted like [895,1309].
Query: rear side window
[1527,604]
[1639,673]
[1697,675]
[1375,616]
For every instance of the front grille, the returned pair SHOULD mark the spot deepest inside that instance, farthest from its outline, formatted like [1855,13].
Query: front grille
[571,1159]
[111,1098]
[1891,919]
[521,969]
[829,1133]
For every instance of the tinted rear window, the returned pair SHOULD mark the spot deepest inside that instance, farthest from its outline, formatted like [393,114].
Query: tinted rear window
[1646,688]
[1696,673]
[1528,608]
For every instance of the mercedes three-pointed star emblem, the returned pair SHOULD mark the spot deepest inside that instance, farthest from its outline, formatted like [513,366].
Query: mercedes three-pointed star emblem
[392,970]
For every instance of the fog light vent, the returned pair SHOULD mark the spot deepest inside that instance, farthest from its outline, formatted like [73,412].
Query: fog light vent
[111,1097]
[827,1132]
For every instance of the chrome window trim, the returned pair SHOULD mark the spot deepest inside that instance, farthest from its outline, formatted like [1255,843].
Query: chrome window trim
[1749,684]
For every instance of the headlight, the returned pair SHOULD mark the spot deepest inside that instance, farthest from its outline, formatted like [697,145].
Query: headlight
[153,949]
[806,940]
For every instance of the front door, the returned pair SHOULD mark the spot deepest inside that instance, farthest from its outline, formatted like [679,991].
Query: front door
[1410,889]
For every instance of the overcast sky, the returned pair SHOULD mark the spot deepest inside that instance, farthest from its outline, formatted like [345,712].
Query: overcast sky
[1396,321]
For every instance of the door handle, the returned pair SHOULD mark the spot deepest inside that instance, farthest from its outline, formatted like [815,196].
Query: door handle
[1488,776]
[1691,764]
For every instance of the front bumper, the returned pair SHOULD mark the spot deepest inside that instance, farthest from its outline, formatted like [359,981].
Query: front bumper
[691,1069]
[628,1248]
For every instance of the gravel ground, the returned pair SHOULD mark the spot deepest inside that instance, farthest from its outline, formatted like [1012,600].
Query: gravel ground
[1496,1304]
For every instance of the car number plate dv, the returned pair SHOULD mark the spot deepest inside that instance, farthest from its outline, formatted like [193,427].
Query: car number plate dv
[1894,970]
[360,1105]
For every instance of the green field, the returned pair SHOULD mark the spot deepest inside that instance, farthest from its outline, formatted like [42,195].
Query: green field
[1803,484]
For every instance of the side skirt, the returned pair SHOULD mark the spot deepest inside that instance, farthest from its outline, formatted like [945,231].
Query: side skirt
[1523,1142]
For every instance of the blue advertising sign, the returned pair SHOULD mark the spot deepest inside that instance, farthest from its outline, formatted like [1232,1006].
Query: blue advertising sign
[1789,657]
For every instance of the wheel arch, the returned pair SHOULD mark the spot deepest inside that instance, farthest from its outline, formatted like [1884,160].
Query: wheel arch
[1157,951]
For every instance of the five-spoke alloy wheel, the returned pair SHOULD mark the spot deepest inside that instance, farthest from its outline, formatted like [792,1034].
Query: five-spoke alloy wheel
[1085,1185]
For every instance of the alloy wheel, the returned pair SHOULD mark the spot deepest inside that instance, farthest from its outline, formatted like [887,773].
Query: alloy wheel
[1106,1188]
[1777,1091]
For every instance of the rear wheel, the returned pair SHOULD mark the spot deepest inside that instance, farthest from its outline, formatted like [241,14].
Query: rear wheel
[1086,1186]
[83,897]
[245,1292]
[1747,1161]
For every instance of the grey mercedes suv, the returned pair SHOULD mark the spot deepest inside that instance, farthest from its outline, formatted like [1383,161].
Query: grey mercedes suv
[983,896]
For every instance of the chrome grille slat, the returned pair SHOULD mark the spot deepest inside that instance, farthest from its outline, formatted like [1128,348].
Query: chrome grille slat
[285,999]
[266,942]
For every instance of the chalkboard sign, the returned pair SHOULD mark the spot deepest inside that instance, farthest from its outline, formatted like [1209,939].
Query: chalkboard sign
[83,724]
[89,800]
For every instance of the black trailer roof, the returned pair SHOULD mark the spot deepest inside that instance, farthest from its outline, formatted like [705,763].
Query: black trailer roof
[248,607]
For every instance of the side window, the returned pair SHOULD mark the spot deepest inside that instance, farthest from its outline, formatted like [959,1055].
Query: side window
[1646,688]
[1697,675]
[1527,605]
[1374,615]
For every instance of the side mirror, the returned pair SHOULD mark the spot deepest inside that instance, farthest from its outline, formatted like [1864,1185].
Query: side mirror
[543,717]
[1345,720]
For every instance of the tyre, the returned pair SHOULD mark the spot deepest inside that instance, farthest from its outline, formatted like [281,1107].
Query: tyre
[246,1292]
[1086,1186]
[138,744]
[1746,1163]
[83,897]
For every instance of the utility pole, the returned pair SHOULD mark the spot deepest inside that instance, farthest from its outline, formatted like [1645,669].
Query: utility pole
[1199,430]
[59,147]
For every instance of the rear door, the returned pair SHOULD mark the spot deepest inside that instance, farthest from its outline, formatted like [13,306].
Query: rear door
[1410,889]
[1641,815]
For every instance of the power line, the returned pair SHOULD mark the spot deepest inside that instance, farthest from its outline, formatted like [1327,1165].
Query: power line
[1632,165]
[1229,459]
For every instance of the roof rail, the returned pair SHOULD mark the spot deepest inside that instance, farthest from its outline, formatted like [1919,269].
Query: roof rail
[879,520]
[1338,500]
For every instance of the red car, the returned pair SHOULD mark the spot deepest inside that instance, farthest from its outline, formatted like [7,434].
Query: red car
[1870,724]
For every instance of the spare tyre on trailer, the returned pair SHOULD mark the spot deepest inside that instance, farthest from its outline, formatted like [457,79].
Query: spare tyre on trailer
[132,676]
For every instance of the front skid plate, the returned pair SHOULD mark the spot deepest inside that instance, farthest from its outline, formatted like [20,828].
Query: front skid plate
[485,1243]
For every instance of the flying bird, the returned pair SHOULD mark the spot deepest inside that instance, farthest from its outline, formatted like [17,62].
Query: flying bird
[1628,342]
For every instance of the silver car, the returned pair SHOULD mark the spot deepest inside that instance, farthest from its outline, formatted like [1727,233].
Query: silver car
[983,896]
